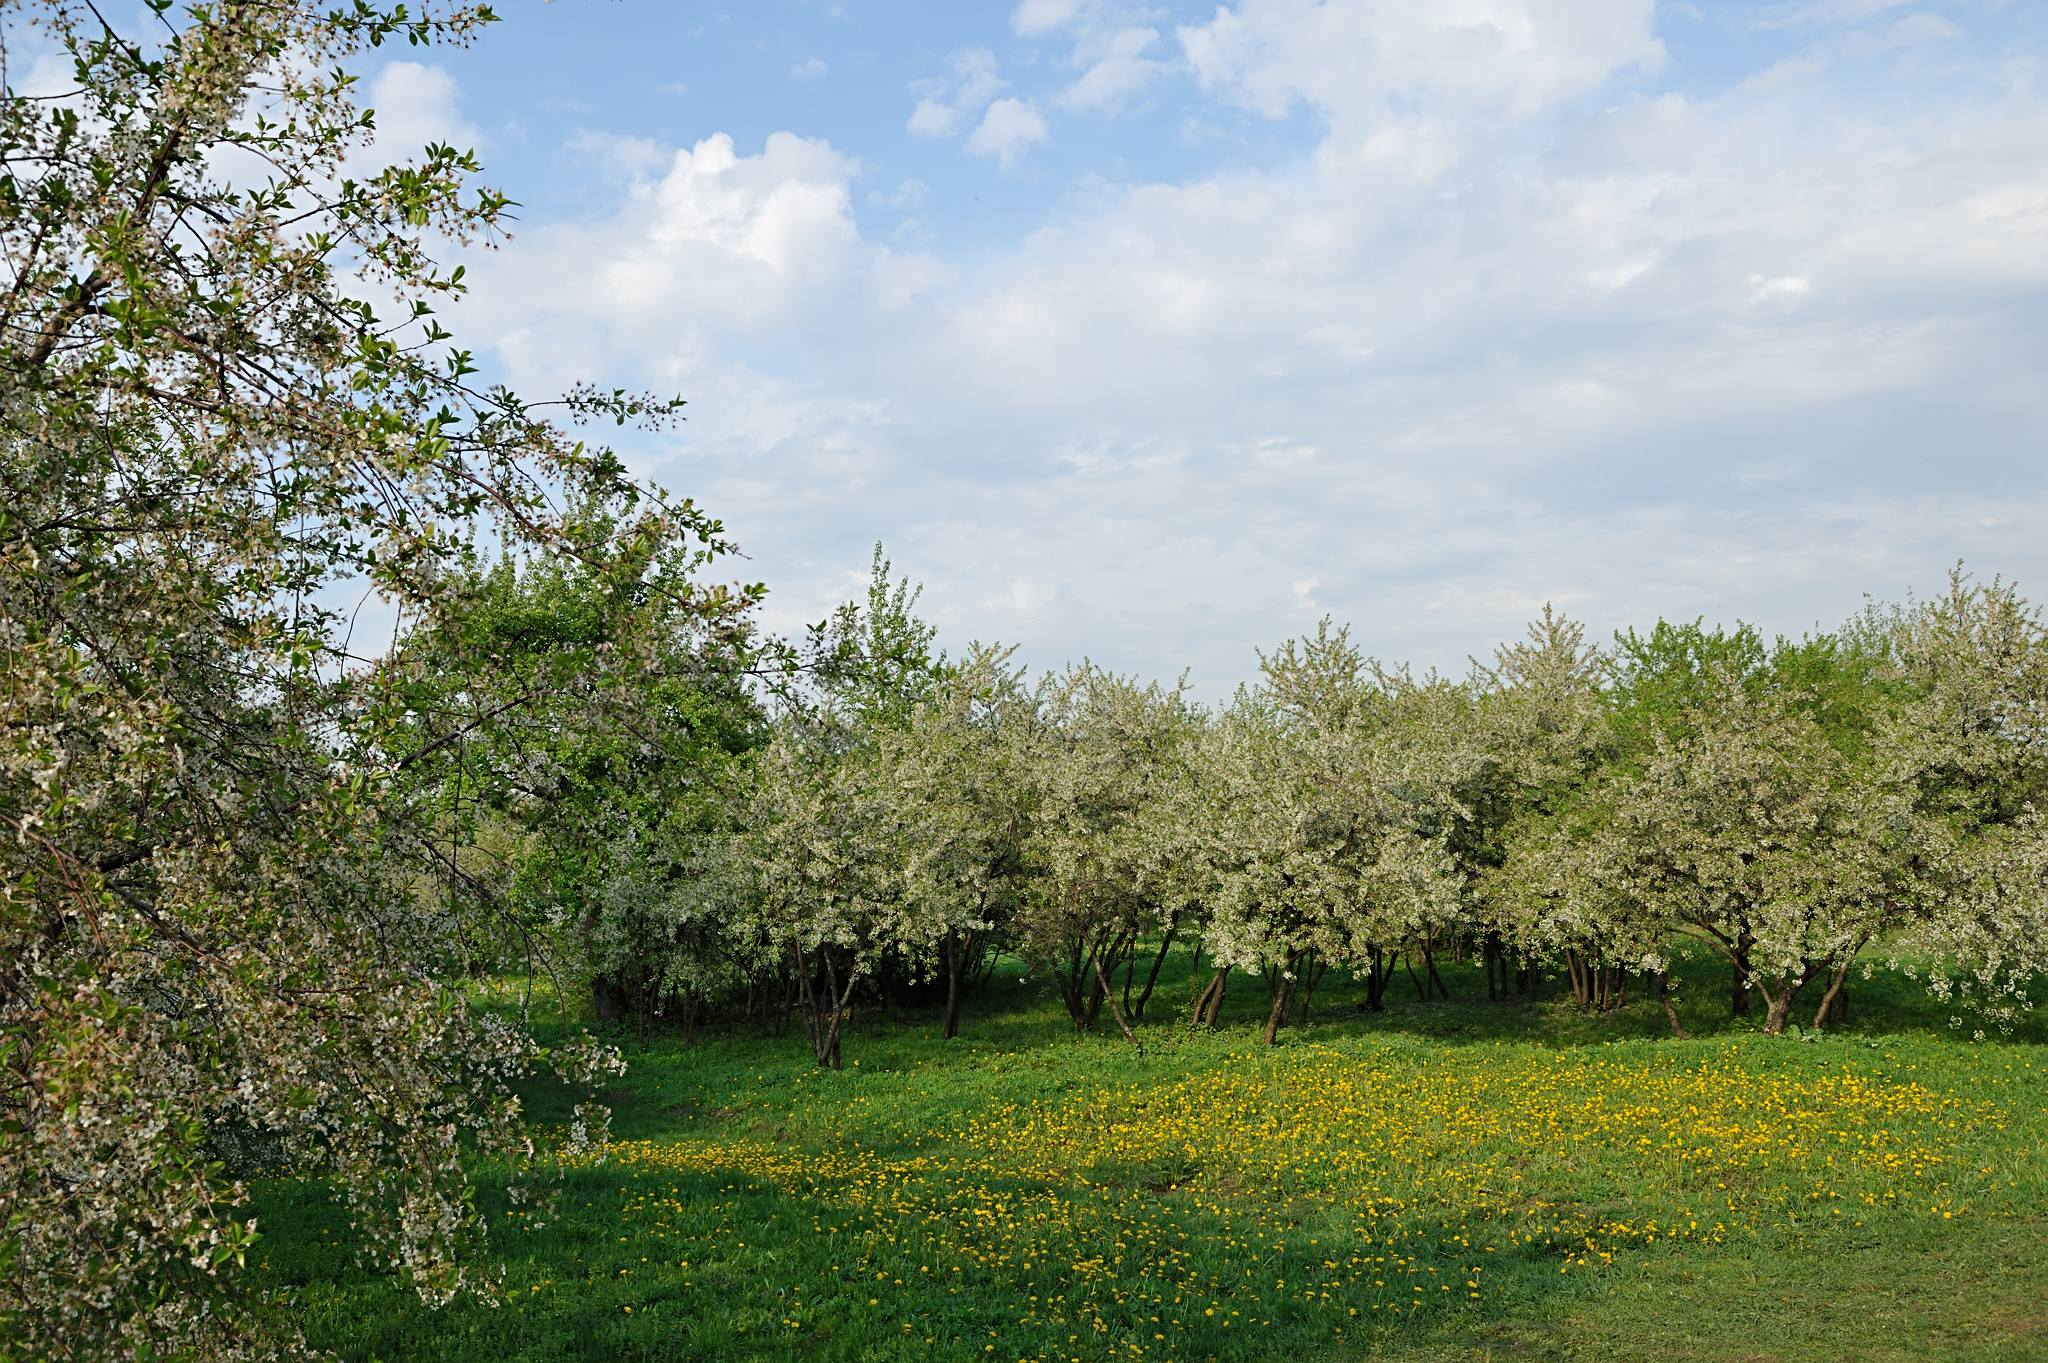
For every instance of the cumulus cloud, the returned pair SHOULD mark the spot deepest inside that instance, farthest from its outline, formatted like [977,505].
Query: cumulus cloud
[948,103]
[912,193]
[1034,17]
[1366,63]
[710,246]
[1509,334]
[1113,44]
[415,105]
[1115,67]
[1010,128]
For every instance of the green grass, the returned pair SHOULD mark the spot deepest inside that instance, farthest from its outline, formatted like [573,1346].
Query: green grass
[1586,1188]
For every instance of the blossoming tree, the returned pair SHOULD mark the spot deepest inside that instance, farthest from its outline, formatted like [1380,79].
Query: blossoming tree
[226,921]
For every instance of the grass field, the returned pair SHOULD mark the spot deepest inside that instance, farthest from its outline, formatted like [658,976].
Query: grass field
[1446,1180]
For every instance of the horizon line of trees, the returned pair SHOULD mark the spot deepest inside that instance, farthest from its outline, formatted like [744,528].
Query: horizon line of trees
[882,817]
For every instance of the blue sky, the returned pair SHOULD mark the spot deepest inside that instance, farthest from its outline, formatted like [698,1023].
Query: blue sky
[1153,332]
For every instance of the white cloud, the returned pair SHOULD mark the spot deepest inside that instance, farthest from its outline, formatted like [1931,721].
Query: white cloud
[1025,596]
[1112,40]
[948,103]
[1034,17]
[1365,63]
[1790,286]
[1828,12]
[1009,129]
[1116,69]
[933,118]
[48,72]
[712,247]
[632,158]
[810,68]
[1494,342]
[898,280]
[416,105]
[912,193]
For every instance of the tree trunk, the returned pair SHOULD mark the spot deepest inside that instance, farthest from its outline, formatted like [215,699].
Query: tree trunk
[1436,980]
[1110,997]
[957,950]
[1821,1014]
[1070,983]
[1379,971]
[839,1002]
[1210,1006]
[1780,1009]
[1670,1010]
[952,1026]
[1788,991]
[1312,976]
[1105,961]
[1739,957]
[1153,978]
[605,999]
[1276,1017]
[824,1012]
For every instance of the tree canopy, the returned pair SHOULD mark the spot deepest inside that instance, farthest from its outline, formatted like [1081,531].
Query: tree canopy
[235,913]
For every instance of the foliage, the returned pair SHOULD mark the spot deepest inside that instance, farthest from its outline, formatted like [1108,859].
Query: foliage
[1328,793]
[1790,804]
[847,847]
[615,715]
[1972,670]
[1106,849]
[226,393]
[870,667]
[1783,804]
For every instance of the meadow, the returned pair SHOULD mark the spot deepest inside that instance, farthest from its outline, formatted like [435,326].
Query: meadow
[1456,1179]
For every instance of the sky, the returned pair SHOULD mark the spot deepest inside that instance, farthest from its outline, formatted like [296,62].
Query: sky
[1152,333]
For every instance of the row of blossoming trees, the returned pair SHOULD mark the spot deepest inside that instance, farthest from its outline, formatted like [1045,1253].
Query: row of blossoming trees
[1569,809]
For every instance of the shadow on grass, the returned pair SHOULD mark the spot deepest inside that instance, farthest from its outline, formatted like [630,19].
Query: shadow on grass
[663,1261]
